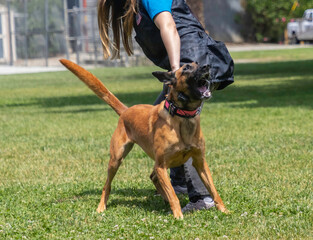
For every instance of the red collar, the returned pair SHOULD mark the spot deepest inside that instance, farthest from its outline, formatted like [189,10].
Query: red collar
[173,110]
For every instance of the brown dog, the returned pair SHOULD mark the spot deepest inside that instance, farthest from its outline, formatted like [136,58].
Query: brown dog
[166,132]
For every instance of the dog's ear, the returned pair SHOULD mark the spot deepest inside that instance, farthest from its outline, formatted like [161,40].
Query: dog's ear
[165,77]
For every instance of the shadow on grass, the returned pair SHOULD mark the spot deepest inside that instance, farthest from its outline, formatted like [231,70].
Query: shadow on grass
[142,198]
[295,91]
[286,68]
[291,93]
[128,99]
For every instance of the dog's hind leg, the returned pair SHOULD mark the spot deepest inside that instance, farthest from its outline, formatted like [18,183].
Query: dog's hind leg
[119,148]
[203,170]
[168,191]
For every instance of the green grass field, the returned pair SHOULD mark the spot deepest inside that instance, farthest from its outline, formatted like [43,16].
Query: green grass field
[275,55]
[54,150]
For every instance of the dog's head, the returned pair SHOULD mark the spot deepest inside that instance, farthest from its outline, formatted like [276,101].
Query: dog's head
[189,85]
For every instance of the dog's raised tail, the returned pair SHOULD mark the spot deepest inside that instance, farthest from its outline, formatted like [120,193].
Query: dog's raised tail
[95,85]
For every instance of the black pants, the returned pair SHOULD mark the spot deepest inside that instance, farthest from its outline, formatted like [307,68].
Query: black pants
[185,174]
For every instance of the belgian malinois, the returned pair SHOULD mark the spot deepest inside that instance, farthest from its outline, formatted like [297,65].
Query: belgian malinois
[169,132]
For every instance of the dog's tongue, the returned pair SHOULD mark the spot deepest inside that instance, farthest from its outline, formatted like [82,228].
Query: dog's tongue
[205,91]
[202,89]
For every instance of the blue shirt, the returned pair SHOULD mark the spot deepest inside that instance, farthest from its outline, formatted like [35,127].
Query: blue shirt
[154,7]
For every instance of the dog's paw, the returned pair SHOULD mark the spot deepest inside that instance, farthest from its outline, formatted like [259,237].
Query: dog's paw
[226,211]
[101,208]
[178,215]
[223,209]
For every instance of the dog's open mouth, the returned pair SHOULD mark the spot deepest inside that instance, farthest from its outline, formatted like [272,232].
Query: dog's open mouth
[204,88]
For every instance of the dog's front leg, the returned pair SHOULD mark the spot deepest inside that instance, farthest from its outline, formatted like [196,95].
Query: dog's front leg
[155,181]
[203,170]
[168,191]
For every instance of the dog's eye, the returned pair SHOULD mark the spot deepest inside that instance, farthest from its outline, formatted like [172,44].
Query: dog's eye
[187,67]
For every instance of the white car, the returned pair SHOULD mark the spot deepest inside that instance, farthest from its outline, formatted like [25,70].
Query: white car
[301,29]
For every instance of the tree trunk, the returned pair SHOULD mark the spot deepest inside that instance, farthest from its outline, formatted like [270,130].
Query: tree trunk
[197,9]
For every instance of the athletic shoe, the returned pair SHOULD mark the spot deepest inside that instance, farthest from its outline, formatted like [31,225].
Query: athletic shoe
[201,204]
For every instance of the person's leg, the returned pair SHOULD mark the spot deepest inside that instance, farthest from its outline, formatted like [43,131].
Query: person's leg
[198,194]
[178,179]
[196,188]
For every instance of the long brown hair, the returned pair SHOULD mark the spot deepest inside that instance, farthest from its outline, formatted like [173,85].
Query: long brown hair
[118,14]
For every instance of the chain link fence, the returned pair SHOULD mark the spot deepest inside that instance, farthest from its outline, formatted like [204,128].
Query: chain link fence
[39,32]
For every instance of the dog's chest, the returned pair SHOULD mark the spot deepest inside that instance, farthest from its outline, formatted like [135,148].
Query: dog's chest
[187,141]
[187,132]
[179,154]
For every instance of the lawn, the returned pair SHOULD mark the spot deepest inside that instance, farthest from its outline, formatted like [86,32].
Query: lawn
[275,55]
[54,150]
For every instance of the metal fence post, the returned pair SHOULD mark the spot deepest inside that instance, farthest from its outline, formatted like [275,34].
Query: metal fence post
[46,32]
[10,32]
[79,35]
[94,36]
[26,32]
[66,28]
